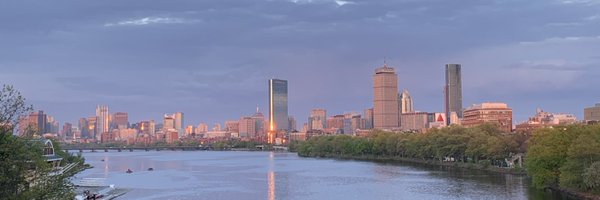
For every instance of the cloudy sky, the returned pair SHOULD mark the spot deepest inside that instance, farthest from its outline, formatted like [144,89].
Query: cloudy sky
[211,59]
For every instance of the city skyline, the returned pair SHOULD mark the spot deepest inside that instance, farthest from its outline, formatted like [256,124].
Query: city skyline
[66,64]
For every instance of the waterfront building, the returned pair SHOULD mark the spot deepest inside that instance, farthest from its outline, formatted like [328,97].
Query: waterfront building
[202,128]
[103,120]
[498,113]
[385,101]
[120,120]
[247,127]
[317,119]
[415,121]
[278,105]
[437,120]
[189,130]
[453,90]
[592,114]
[232,126]
[543,119]
[335,122]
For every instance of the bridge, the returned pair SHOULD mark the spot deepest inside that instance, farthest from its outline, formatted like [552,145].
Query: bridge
[130,149]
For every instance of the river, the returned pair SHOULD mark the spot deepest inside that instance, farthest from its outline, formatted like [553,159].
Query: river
[267,175]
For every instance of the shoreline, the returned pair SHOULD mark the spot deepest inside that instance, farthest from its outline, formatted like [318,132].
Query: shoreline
[458,165]
[569,194]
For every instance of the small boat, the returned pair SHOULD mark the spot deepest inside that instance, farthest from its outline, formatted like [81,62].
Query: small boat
[150,169]
[102,160]
[129,171]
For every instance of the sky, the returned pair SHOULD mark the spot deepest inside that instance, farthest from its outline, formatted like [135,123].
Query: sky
[211,59]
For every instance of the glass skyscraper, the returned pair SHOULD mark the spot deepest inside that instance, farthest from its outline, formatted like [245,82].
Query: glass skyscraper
[278,105]
[453,91]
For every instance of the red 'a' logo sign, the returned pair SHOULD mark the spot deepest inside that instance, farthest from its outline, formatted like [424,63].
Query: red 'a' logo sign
[440,118]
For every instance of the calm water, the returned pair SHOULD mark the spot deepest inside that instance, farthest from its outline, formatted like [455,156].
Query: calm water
[267,175]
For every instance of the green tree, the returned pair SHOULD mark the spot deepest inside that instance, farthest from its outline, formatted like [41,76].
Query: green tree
[24,172]
[591,177]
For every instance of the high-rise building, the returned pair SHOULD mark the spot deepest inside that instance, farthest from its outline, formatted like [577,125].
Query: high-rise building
[336,122]
[453,91]
[317,119]
[103,120]
[232,126]
[385,101]
[34,123]
[498,113]
[202,128]
[259,120]
[179,123]
[278,105]
[369,118]
[169,122]
[83,127]
[92,127]
[415,121]
[406,102]
[67,130]
[247,127]
[292,123]
[592,114]
[120,120]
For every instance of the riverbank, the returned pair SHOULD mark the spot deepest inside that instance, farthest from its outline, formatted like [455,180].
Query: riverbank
[461,165]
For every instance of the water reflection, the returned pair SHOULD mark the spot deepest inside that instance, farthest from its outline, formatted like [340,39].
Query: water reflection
[271,177]
[242,175]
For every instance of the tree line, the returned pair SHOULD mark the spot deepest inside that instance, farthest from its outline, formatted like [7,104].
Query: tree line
[561,157]
[482,144]
[24,171]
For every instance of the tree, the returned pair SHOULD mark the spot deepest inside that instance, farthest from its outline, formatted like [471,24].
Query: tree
[24,172]
[591,177]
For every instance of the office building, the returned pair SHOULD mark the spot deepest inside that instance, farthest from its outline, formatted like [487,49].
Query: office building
[278,105]
[415,121]
[453,91]
[83,127]
[317,119]
[498,113]
[368,119]
[592,114]
[232,126]
[169,122]
[120,120]
[405,102]
[179,123]
[543,119]
[247,127]
[103,120]
[33,124]
[385,101]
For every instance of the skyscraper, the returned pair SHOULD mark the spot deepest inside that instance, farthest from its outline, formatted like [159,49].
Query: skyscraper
[406,103]
[278,105]
[103,120]
[317,119]
[453,91]
[169,122]
[369,118]
[385,101]
[179,123]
